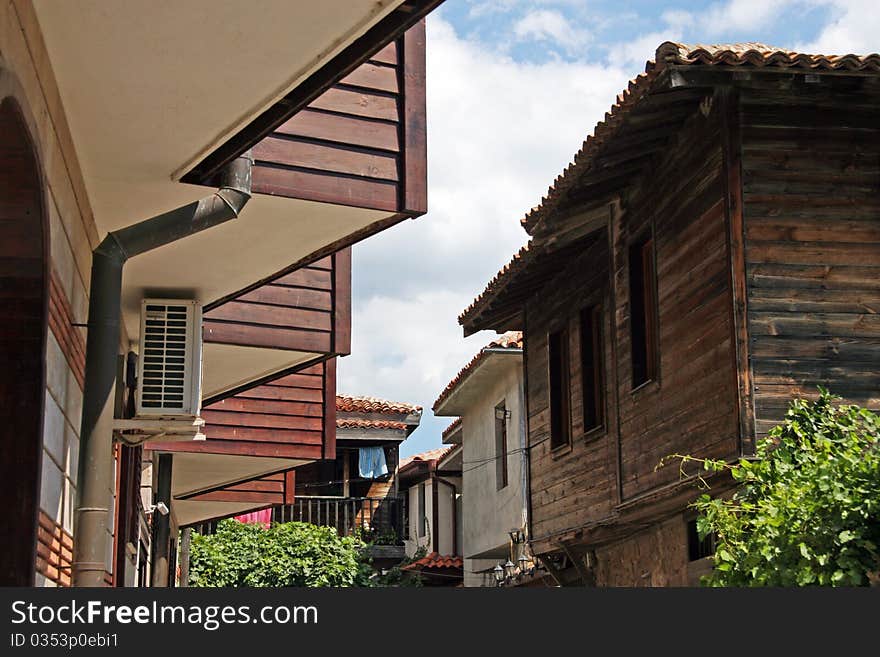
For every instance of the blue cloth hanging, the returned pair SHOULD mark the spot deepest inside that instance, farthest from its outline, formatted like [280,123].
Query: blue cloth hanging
[371,462]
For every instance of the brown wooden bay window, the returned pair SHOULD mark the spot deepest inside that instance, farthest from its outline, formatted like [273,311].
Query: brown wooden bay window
[643,311]
[592,368]
[560,390]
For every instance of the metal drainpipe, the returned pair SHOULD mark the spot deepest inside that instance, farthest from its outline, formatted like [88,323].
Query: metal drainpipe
[524,461]
[95,472]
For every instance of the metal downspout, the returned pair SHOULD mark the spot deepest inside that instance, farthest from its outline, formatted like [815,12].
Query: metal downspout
[95,473]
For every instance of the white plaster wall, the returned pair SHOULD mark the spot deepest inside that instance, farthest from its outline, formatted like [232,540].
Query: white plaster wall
[491,513]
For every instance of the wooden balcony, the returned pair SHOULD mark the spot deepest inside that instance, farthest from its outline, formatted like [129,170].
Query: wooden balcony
[378,520]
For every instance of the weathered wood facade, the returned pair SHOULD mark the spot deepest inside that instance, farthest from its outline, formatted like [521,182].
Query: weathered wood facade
[307,309]
[753,228]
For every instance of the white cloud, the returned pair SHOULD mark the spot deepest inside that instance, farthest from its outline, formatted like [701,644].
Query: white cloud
[499,131]
[550,25]
[854,28]
[740,15]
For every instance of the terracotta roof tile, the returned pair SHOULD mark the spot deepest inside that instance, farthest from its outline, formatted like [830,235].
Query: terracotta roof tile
[353,404]
[435,560]
[668,53]
[454,426]
[356,423]
[511,340]
[430,455]
[680,54]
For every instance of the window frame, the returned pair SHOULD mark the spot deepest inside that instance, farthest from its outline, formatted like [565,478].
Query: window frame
[560,418]
[422,518]
[644,334]
[501,464]
[592,318]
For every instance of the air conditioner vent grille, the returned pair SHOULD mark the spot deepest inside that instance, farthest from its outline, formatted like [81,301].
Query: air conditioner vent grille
[169,364]
[164,357]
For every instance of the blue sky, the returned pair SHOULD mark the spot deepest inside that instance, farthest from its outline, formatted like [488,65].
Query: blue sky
[514,87]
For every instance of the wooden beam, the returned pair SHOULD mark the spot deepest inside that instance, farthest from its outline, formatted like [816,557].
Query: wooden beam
[329,442]
[731,144]
[342,302]
[414,194]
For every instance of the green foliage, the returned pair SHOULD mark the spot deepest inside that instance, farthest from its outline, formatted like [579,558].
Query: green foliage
[394,576]
[807,511]
[288,554]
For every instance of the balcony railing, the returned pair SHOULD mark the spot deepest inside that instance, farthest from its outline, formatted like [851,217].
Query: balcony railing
[377,519]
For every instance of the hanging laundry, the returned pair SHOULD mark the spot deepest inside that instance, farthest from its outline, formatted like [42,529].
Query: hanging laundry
[371,462]
[263,518]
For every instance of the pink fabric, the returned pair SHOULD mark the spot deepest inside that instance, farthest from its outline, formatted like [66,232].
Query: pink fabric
[263,517]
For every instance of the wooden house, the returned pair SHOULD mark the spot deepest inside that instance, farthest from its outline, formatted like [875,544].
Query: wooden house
[712,252]
[345,491]
[125,162]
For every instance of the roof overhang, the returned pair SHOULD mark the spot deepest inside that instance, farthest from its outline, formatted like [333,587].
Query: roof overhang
[491,366]
[155,93]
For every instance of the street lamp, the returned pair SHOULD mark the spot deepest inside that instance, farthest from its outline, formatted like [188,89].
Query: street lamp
[508,568]
[499,574]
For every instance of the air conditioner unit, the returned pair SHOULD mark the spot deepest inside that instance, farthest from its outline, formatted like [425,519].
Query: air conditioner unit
[170,364]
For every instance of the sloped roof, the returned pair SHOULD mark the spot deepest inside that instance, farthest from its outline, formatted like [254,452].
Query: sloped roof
[512,340]
[454,426]
[430,455]
[353,423]
[354,404]
[435,561]
[679,54]
[668,54]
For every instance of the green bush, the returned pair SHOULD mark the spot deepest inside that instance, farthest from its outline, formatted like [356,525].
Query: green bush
[807,511]
[288,554]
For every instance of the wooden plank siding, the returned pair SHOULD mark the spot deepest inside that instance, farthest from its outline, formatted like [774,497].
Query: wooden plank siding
[691,405]
[574,484]
[361,142]
[285,417]
[273,489]
[811,191]
[308,309]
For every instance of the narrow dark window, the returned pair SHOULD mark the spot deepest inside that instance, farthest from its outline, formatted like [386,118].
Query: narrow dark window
[560,395]
[699,548]
[592,367]
[422,519]
[501,445]
[643,311]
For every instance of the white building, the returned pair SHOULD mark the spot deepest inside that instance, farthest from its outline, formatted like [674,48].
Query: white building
[487,396]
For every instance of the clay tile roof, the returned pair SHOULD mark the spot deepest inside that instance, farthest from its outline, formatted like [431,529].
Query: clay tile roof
[352,404]
[430,455]
[356,423]
[680,54]
[454,426]
[435,560]
[667,54]
[512,340]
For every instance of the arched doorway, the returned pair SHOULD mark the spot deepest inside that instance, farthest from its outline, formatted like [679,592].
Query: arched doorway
[23,308]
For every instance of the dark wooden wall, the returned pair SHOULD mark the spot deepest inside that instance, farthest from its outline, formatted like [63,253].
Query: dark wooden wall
[811,192]
[362,142]
[23,307]
[277,488]
[307,309]
[570,485]
[293,416]
[692,406]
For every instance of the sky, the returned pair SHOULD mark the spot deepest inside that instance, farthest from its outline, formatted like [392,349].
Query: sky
[513,89]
